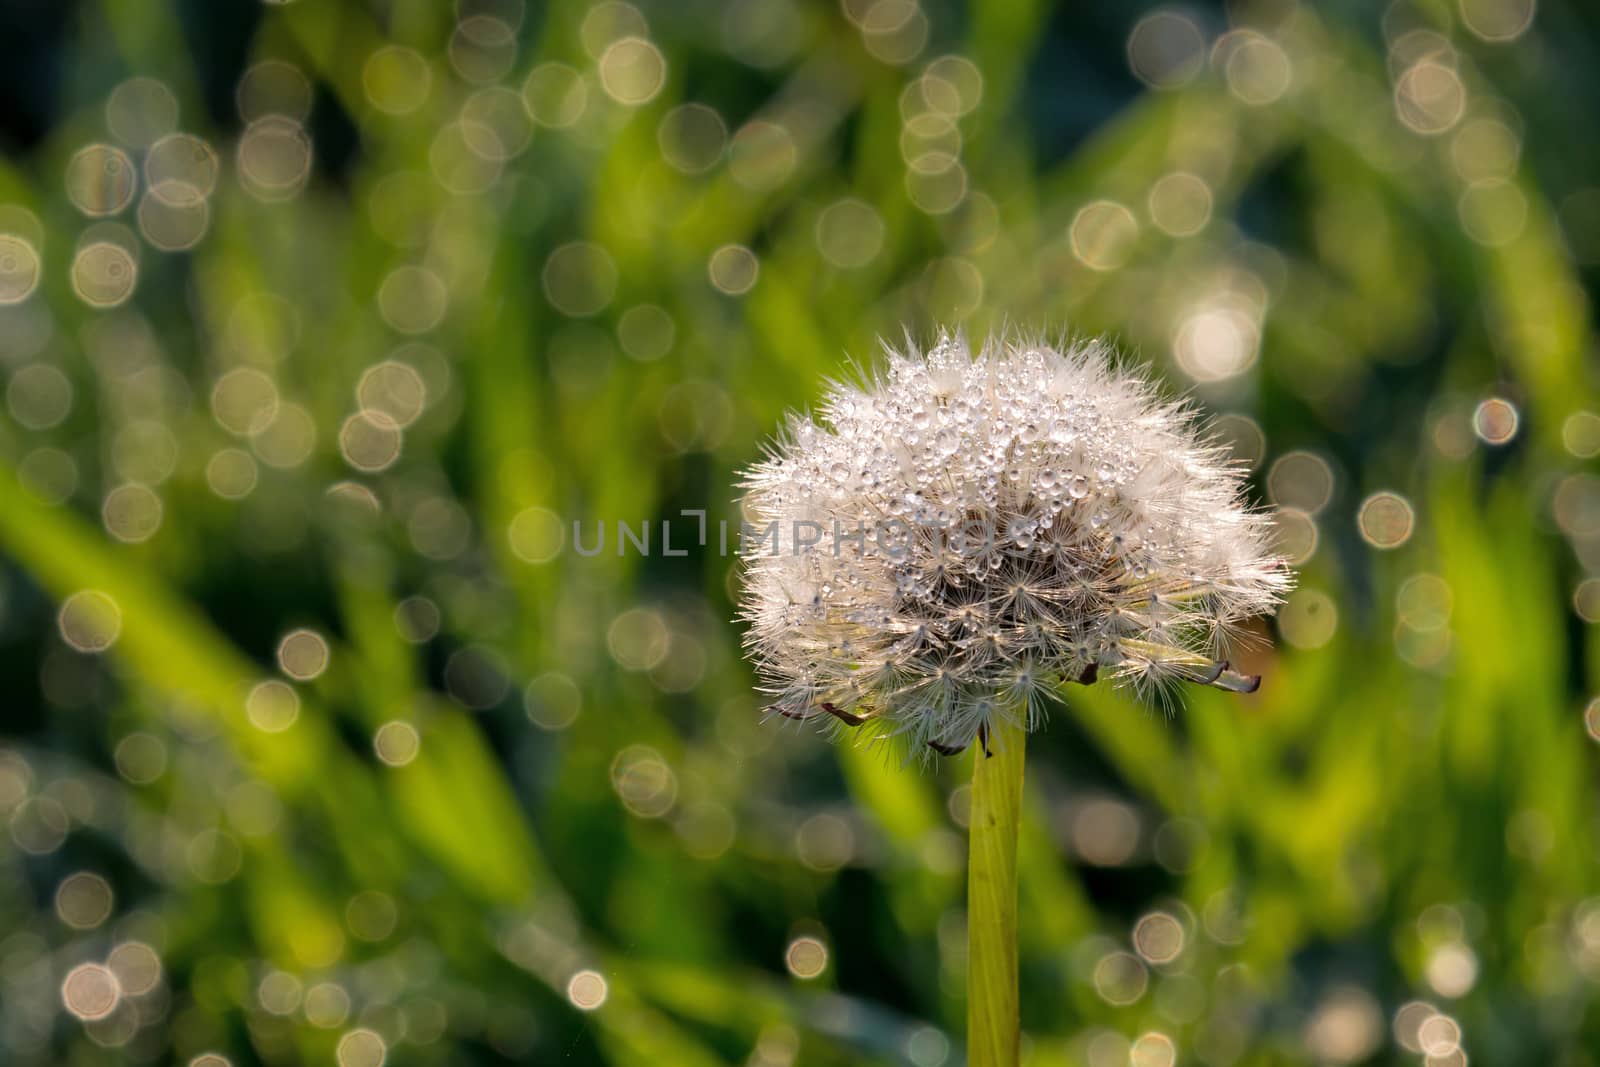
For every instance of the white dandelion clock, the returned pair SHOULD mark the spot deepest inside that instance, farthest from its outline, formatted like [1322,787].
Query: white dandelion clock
[959,535]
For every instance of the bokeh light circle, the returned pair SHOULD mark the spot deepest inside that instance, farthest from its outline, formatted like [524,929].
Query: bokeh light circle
[394,389]
[274,158]
[288,440]
[1424,602]
[137,967]
[371,915]
[646,332]
[327,1005]
[132,513]
[361,1048]
[173,216]
[1120,978]
[1429,97]
[1180,204]
[1308,619]
[495,125]
[101,180]
[937,192]
[48,474]
[1166,49]
[951,85]
[644,782]
[140,111]
[413,299]
[580,278]
[552,701]
[272,706]
[396,743]
[1257,69]
[39,396]
[762,155]
[850,233]
[1498,21]
[1580,434]
[244,401]
[1103,234]
[1152,1049]
[83,900]
[1294,535]
[182,166]
[90,991]
[141,758]
[231,473]
[396,79]
[370,441]
[104,274]
[482,49]
[894,31]
[692,138]
[806,957]
[554,95]
[632,71]
[90,621]
[1158,937]
[1216,341]
[273,87]
[1493,212]
[19,269]
[733,269]
[587,990]
[1495,421]
[1301,480]
[536,535]
[303,654]
[1385,520]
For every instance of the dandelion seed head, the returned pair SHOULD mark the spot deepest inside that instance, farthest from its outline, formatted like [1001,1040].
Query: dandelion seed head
[958,534]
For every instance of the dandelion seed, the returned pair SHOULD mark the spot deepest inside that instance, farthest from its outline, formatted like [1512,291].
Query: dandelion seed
[992,526]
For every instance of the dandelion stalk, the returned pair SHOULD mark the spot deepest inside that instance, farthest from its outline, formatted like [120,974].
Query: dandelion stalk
[993,1027]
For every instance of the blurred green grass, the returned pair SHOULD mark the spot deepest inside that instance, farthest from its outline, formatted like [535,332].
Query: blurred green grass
[526,809]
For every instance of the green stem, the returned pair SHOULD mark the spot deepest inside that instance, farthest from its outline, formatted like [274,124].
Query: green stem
[993,1028]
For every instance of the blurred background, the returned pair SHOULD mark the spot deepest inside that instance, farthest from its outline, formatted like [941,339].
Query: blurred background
[322,322]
